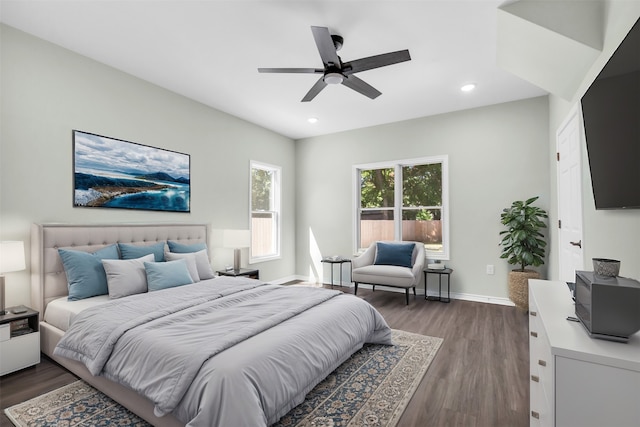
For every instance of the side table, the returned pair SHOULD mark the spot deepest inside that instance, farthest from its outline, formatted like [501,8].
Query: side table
[247,272]
[440,272]
[336,260]
[19,339]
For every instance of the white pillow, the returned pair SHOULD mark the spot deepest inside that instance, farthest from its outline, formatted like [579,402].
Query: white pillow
[126,276]
[202,263]
[190,258]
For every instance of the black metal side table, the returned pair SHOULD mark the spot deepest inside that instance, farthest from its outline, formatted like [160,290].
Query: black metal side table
[336,260]
[440,272]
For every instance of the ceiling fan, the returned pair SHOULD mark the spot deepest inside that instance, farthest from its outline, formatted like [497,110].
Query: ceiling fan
[337,72]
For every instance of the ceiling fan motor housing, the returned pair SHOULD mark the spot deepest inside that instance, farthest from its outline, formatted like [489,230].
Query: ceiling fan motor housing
[338,41]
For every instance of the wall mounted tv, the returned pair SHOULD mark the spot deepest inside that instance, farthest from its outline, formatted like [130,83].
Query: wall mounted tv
[611,112]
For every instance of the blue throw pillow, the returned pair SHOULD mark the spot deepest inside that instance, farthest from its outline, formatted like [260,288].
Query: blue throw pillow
[85,274]
[181,248]
[138,251]
[163,275]
[394,254]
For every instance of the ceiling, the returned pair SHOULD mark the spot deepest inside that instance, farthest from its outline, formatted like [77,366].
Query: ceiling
[210,50]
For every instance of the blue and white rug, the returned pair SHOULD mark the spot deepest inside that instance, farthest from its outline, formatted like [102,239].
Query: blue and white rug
[373,387]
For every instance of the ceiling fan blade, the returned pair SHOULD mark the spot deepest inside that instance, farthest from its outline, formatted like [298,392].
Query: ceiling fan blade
[315,89]
[324,42]
[376,61]
[361,86]
[291,70]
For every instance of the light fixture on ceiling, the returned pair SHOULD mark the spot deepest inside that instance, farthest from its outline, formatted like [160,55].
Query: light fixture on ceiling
[468,87]
[312,120]
[333,78]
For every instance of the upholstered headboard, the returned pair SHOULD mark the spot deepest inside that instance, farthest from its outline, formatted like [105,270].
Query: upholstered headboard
[48,279]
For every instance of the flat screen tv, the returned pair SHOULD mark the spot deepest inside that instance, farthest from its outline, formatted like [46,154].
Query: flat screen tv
[611,112]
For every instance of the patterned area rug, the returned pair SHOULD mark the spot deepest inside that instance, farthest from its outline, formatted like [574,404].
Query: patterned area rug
[373,387]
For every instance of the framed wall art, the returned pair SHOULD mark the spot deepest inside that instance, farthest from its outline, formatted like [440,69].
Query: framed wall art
[112,173]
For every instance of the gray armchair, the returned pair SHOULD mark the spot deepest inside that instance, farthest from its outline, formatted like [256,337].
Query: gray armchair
[371,269]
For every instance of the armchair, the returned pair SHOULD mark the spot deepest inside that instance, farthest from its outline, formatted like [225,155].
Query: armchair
[389,264]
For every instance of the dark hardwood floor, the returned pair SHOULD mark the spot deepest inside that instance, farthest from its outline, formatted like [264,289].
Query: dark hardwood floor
[479,378]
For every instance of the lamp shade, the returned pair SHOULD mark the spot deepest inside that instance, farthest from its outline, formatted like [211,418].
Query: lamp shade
[11,256]
[236,238]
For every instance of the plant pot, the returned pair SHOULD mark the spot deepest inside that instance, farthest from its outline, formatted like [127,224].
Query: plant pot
[519,287]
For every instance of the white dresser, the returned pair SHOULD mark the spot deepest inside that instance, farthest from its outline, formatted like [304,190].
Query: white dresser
[576,380]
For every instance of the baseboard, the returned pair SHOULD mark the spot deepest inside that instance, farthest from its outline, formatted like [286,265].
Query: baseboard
[454,295]
[481,298]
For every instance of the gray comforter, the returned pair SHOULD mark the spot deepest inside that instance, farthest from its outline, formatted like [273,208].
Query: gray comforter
[226,351]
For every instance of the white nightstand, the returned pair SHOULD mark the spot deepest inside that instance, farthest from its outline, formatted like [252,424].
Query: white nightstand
[19,340]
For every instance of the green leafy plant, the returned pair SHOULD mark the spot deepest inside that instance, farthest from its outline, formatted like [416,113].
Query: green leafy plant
[523,243]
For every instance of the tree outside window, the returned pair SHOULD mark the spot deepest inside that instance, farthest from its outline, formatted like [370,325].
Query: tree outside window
[265,211]
[404,200]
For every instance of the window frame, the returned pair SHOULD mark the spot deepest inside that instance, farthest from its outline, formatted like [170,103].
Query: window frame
[397,165]
[276,209]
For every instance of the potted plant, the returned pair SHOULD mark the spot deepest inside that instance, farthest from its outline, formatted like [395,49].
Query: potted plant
[523,245]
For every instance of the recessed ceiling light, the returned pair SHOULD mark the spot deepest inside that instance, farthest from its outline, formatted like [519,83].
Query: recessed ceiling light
[312,120]
[468,87]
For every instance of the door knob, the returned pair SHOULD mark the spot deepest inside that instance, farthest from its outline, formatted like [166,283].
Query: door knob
[578,243]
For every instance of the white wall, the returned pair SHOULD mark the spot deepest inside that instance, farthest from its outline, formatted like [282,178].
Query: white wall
[497,154]
[47,91]
[607,233]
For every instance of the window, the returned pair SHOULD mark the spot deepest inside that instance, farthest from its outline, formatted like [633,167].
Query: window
[404,200]
[265,211]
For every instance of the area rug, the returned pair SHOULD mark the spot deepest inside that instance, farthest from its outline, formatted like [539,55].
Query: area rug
[373,387]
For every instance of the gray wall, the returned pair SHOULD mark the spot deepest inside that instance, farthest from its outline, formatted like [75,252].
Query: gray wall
[47,91]
[606,233]
[497,154]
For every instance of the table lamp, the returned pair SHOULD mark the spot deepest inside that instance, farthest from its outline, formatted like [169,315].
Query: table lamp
[236,239]
[11,259]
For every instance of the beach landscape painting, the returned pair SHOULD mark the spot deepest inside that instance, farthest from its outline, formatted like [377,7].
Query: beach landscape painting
[112,173]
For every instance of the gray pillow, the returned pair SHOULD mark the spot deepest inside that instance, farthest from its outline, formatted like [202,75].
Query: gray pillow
[202,263]
[190,258]
[126,276]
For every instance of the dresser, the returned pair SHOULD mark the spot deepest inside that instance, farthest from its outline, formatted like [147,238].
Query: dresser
[576,380]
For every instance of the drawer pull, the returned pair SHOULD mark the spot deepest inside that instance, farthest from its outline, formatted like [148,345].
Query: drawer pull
[534,334]
[533,313]
[535,378]
[542,363]
[535,415]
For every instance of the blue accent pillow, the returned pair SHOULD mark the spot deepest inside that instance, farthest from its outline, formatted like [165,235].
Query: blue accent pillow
[163,275]
[181,248]
[85,274]
[394,254]
[138,251]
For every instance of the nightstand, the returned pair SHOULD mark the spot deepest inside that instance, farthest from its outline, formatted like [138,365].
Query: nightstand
[19,340]
[440,272]
[336,260]
[246,272]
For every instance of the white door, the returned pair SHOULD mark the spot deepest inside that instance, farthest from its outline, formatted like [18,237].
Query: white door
[569,138]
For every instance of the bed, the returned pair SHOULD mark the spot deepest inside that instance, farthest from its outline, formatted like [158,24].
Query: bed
[235,365]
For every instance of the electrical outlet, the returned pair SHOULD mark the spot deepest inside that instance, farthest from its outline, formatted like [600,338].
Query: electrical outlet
[489,269]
